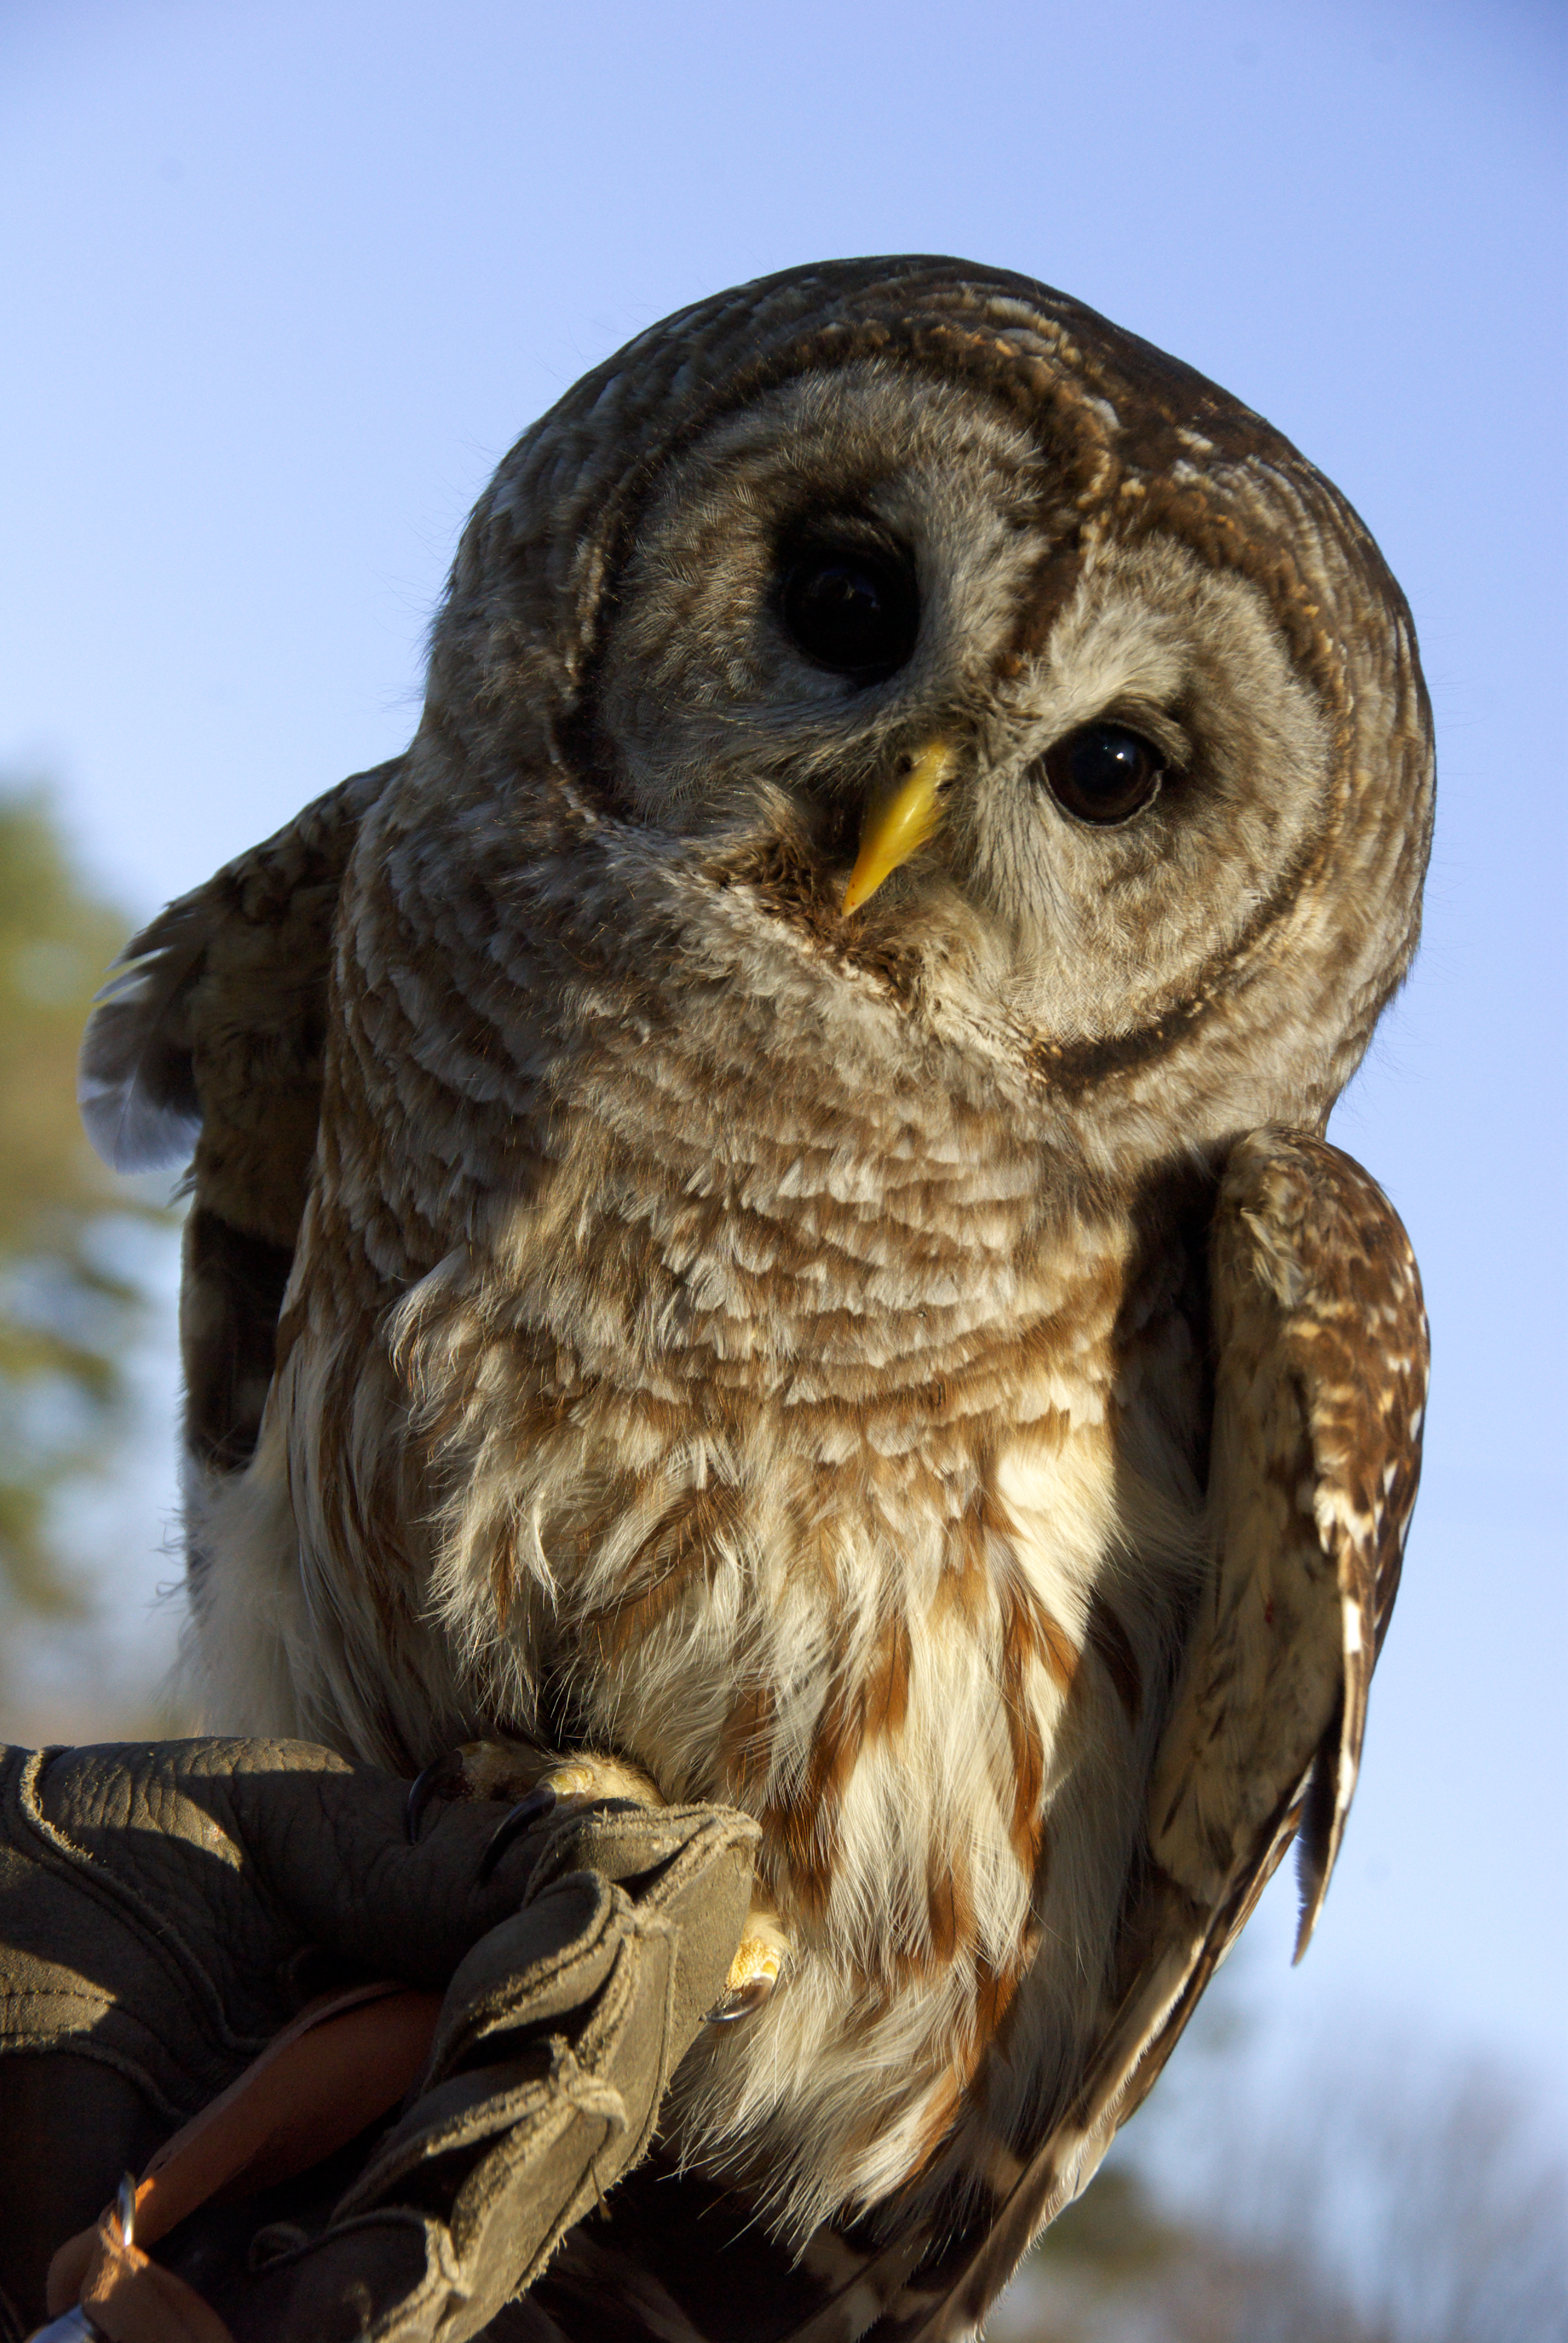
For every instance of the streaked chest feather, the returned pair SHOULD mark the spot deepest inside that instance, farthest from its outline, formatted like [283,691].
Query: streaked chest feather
[809,1467]
[792,1469]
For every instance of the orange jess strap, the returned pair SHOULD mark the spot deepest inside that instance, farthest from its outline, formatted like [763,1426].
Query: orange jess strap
[343,2062]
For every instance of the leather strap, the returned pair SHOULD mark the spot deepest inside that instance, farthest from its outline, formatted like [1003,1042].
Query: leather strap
[344,2061]
[126,2298]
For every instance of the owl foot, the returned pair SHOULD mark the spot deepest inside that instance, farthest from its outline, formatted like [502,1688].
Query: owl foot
[491,1772]
[754,1972]
[570,1787]
[537,1784]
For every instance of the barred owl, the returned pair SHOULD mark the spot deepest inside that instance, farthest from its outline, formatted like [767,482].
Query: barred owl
[761,1219]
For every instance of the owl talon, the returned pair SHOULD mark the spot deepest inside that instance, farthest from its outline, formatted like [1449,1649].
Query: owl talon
[474,1771]
[422,1789]
[742,2001]
[753,1973]
[540,1801]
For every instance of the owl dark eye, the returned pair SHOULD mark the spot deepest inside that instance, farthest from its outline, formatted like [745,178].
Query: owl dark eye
[1105,773]
[854,610]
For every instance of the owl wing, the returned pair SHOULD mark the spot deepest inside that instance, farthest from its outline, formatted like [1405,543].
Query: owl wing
[1321,1366]
[1321,1358]
[208,1039]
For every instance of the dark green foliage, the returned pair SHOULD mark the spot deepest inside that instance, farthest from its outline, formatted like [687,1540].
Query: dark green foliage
[65,1314]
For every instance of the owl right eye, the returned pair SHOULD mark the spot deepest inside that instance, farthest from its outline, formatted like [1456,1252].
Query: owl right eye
[852,610]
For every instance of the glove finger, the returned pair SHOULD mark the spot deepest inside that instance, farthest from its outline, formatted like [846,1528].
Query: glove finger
[634,1846]
[260,1845]
[672,1860]
[579,2009]
[329,1841]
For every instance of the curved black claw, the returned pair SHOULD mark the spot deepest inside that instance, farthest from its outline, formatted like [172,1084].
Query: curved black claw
[421,1790]
[528,1811]
[740,2001]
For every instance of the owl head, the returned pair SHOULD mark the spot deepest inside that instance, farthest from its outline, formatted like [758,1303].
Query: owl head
[986,656]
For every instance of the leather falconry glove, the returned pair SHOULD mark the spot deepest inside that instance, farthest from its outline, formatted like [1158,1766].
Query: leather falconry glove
[361,2089]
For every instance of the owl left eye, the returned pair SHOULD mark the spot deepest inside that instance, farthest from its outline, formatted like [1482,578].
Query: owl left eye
[1105,773]
[851,608]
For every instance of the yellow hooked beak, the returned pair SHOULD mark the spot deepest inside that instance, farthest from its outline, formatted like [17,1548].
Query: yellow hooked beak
[899,822]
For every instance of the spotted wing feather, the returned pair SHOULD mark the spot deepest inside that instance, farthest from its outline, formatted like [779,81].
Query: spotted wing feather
[1321,1364]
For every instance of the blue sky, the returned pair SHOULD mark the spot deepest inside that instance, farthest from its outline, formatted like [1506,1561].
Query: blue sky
[280,284]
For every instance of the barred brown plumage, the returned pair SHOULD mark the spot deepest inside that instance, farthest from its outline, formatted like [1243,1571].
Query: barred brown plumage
[919,1372]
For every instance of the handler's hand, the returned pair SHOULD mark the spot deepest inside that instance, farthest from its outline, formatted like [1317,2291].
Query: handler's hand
[166,1908]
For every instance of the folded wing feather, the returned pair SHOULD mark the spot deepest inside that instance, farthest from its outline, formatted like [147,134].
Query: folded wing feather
[206,1048]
